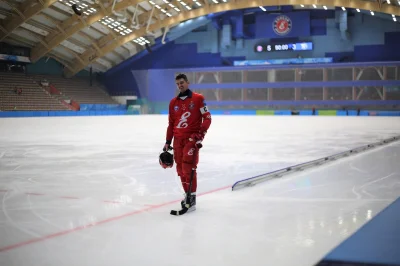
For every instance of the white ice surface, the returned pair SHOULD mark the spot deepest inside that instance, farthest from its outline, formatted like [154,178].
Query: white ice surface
[57,176]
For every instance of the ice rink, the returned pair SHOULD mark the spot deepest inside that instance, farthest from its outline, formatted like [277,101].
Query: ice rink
[88,191]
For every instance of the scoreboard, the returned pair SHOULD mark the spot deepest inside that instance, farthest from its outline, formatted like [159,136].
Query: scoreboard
[300,46]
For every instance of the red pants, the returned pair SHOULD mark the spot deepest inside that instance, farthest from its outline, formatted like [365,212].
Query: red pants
[186,157]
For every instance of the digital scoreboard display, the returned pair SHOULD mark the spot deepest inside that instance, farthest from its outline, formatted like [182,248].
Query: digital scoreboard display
[300,46]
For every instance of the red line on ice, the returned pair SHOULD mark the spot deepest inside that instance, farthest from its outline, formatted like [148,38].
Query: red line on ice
[152,207]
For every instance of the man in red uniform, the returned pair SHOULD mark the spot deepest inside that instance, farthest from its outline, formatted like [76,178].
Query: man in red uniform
[188,122]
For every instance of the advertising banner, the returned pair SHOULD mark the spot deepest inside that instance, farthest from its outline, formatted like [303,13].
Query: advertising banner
[14,58]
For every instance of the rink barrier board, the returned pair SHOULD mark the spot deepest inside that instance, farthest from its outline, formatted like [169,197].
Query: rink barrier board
[265,112]
[331,104]
[213,112]
[252,181]
[327,103]
[102,107]
[62,113]
[302,112]
[327,112]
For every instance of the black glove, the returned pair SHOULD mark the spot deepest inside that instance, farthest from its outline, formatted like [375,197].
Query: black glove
[167,146]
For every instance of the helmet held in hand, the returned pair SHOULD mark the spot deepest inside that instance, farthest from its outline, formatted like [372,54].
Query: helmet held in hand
[166,159]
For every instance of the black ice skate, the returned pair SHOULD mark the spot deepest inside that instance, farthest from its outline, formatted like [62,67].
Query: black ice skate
[192,202]
[187,206]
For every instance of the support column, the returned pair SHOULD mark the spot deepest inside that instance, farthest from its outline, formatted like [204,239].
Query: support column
[219,90]
[383,87]
[384,93]
[354,96]
[354,88]
[325,78]
[297,78]
[271,78]
[244,80]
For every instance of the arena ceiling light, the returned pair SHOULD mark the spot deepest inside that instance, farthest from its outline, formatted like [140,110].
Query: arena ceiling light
[394,18]
[142,41]
[358,10]
[174,7]
[154,4]
[314,6]
[90,10]
[197,3]
[108,22]
[372,13]
[123,30]
[262,8]
[163,10]
[302,5]
[185,5]
[115,25]
[344,9]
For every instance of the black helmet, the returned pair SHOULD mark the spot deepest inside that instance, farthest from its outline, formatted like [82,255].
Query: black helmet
[166,159]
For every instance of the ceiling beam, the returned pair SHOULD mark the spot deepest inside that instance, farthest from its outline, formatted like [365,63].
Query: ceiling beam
[5,13]
[15,6]
[143,18]
[75,24]
[118,55]
[76,55]
[19,40]
[92,40]
[27,10]
[92,54]
[40,26]
[22,39]
[60,58]
[59,10]
[33,34]
[54,22]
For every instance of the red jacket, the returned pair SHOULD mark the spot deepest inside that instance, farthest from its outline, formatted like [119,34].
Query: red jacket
[187,115]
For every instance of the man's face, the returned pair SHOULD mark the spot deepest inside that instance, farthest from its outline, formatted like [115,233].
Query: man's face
[182,85]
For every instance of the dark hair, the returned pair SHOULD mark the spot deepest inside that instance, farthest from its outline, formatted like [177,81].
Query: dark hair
[181,76]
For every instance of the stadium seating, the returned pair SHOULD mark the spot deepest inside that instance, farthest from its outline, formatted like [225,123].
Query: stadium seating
[78,89]
[31,97]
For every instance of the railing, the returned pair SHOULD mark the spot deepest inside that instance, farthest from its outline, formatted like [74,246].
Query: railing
[376,83]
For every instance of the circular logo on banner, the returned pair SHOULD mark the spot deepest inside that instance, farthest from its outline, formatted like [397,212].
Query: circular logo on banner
[282,25]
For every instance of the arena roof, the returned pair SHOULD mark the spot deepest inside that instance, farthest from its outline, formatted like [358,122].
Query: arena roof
[109,31]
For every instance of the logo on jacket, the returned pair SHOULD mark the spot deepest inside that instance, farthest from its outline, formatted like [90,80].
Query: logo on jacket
[191,105]
[282,25]
[176,108]
[190,152]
